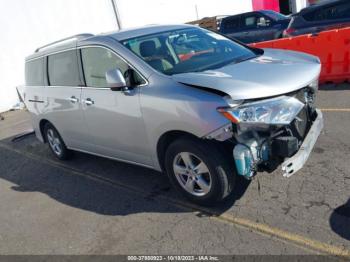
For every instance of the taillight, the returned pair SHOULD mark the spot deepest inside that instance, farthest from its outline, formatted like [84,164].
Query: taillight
[289,31]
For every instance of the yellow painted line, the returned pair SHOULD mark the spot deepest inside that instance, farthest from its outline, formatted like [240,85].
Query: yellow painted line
[283,235]
[264,229]
[288,236]
[335,109]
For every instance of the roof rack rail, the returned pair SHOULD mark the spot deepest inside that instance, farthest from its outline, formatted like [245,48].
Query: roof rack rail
[79,36]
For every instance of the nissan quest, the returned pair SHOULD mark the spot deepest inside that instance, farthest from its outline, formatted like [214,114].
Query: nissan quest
[191,103]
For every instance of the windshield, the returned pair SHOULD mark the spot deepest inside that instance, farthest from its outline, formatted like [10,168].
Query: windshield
[274,15]
[187,50]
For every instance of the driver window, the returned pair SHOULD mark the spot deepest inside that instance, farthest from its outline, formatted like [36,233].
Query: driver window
[263,22]
[97,61]
[250,22]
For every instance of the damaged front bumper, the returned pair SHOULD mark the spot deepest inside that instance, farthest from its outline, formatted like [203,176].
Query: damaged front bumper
[296,162]
[253,153]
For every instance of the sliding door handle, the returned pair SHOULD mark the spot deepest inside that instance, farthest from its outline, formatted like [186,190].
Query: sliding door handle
[73,99]
[88,102]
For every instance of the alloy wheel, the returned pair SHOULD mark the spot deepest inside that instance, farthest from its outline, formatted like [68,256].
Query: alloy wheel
[192,174]
[54,141]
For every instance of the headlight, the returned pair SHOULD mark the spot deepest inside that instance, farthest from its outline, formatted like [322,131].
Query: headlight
[276,111]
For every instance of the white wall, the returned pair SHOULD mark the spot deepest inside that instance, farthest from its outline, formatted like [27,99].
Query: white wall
[140,12]
[300,4]
[28,24]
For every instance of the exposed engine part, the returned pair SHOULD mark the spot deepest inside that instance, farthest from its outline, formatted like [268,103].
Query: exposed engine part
[284,146]
[264,152]
[247,156]
[297,161]
[244,161]
[264,147]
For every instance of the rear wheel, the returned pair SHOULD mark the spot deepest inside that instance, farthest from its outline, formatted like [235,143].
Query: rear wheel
[199,171]
[56,143]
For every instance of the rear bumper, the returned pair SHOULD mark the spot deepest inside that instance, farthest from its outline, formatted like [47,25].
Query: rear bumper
[296,162]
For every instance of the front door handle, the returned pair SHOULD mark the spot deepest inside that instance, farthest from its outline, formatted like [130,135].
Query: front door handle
[127,91]
[73,99]
[88,102]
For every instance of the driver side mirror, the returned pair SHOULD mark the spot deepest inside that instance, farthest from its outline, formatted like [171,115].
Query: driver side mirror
[262,22]
[115,80]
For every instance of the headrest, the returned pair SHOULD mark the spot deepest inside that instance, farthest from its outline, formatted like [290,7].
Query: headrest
[148,48]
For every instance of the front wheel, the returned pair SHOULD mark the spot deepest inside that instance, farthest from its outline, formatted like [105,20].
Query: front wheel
[199,170]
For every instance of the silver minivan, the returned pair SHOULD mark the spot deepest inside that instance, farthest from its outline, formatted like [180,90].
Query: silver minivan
[178,99]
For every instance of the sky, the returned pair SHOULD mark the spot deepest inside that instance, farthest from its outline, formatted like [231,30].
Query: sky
[28,24]
[137,12]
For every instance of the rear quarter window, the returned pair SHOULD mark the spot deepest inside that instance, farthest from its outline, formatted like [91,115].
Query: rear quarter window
[332,12]
[63,69]
[310,16]
[230,24]
[34,72]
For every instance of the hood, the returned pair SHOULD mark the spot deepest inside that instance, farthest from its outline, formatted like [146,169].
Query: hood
[276,72]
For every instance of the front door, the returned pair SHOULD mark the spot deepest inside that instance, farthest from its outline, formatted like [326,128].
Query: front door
[266,29]
[250,31]
[114,118]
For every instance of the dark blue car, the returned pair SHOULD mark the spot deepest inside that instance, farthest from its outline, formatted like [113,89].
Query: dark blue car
[255,26]
[320,17]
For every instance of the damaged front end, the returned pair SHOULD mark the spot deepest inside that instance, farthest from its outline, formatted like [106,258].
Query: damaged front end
[265,133]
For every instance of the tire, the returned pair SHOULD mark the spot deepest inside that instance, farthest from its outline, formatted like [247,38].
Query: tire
[201,187]
[56,143]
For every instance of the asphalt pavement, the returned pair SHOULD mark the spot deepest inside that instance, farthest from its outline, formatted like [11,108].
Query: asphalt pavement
[91,205]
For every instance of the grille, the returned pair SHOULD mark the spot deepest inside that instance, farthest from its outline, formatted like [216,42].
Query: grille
[302,122]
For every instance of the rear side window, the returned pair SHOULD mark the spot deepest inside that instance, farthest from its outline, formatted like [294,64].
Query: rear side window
[343,11]
[231,24]
[311,16]
[333,12]
[34,72]
[63,69]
